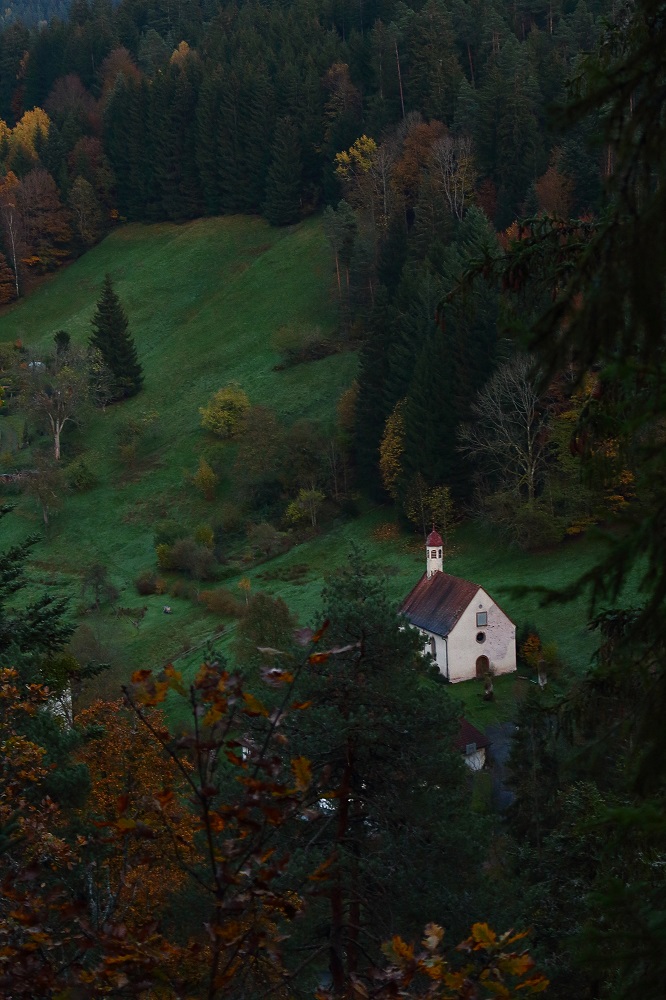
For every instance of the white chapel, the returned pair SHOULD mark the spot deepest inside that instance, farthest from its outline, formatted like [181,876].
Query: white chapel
[466,631]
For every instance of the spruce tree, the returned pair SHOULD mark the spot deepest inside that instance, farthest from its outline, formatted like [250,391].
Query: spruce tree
[431,418]
[283,185]
[371,408]
[115,343]
[453,362]
[381,729]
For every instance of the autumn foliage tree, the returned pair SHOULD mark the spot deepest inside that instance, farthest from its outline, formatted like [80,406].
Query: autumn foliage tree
[391,450]
[209,805]
[37,921]
[46,229]
[11,221]
[205,479]
[130,877]
[7,282]
[224,411]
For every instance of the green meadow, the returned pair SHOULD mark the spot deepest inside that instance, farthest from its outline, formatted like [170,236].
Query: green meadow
[204,300]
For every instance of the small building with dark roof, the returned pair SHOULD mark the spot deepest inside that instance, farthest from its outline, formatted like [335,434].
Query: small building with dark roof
[472,744]
[464,629]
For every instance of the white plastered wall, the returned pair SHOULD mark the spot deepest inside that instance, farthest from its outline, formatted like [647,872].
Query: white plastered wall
[436,646]
[499,645]
[476,761]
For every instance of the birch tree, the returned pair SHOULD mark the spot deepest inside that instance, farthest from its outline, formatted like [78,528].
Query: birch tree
[58,392]
[453,166]
[509,437]
[12,222]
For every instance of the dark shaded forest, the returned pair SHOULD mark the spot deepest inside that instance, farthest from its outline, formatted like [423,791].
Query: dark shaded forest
[422,129]
[172,113]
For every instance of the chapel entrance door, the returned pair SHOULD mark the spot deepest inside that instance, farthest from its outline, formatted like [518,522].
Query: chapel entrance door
[482,666]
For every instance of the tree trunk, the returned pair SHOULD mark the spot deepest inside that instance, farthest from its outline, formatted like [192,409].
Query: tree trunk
[336,948]
[14,261]
[471,64]
[402,99]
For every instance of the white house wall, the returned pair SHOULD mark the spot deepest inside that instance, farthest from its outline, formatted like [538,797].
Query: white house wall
[476,761]
[463,649]
[436,646]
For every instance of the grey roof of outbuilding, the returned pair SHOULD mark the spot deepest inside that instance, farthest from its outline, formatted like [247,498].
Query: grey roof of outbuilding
[437,602]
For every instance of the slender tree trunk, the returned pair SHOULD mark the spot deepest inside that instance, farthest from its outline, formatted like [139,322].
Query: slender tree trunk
[354,919]
[14,261]
[402,99]
[56,427]
[336,949]
[471,64]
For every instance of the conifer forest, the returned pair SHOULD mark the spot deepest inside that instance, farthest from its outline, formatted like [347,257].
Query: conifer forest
[306,307]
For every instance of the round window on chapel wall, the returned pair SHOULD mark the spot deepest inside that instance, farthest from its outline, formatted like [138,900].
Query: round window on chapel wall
[480,636]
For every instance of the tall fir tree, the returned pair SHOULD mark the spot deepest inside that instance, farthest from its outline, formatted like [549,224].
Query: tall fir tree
[174,96]
[453,362]
[283,183]
[371,408]
[208,106]
[381,733]
[111,337]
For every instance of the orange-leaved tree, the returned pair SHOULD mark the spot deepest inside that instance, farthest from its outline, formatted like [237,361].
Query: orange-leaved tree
[244,785]
[134,788]
[250,906]
[37,932]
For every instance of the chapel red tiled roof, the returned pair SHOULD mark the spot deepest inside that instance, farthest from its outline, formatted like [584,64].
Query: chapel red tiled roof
[434,538]
[437,602]
[470,734]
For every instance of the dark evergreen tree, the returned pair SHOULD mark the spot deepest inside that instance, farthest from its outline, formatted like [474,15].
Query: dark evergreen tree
[371,409]
[33,634]
[208,106]
[173,109]
[431,417]
[381,731]
[47,57]
[283,183]
[28,631]
[433,73]
[415,306]
[61,339]
[520,149]
[128,140]
[113,340]
[452,363]
[13,45]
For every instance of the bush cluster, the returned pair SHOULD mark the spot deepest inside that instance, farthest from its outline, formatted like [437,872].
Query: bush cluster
[222,602]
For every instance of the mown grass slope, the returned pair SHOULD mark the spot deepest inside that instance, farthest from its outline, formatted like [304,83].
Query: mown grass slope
[203,300]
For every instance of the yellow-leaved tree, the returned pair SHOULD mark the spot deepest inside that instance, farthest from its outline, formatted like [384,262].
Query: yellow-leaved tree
[392,448]
[223,411]
[24,134]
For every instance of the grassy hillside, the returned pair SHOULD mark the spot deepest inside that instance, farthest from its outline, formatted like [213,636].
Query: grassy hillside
[204,300]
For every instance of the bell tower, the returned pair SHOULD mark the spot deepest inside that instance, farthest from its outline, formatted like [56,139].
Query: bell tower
[434,553]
